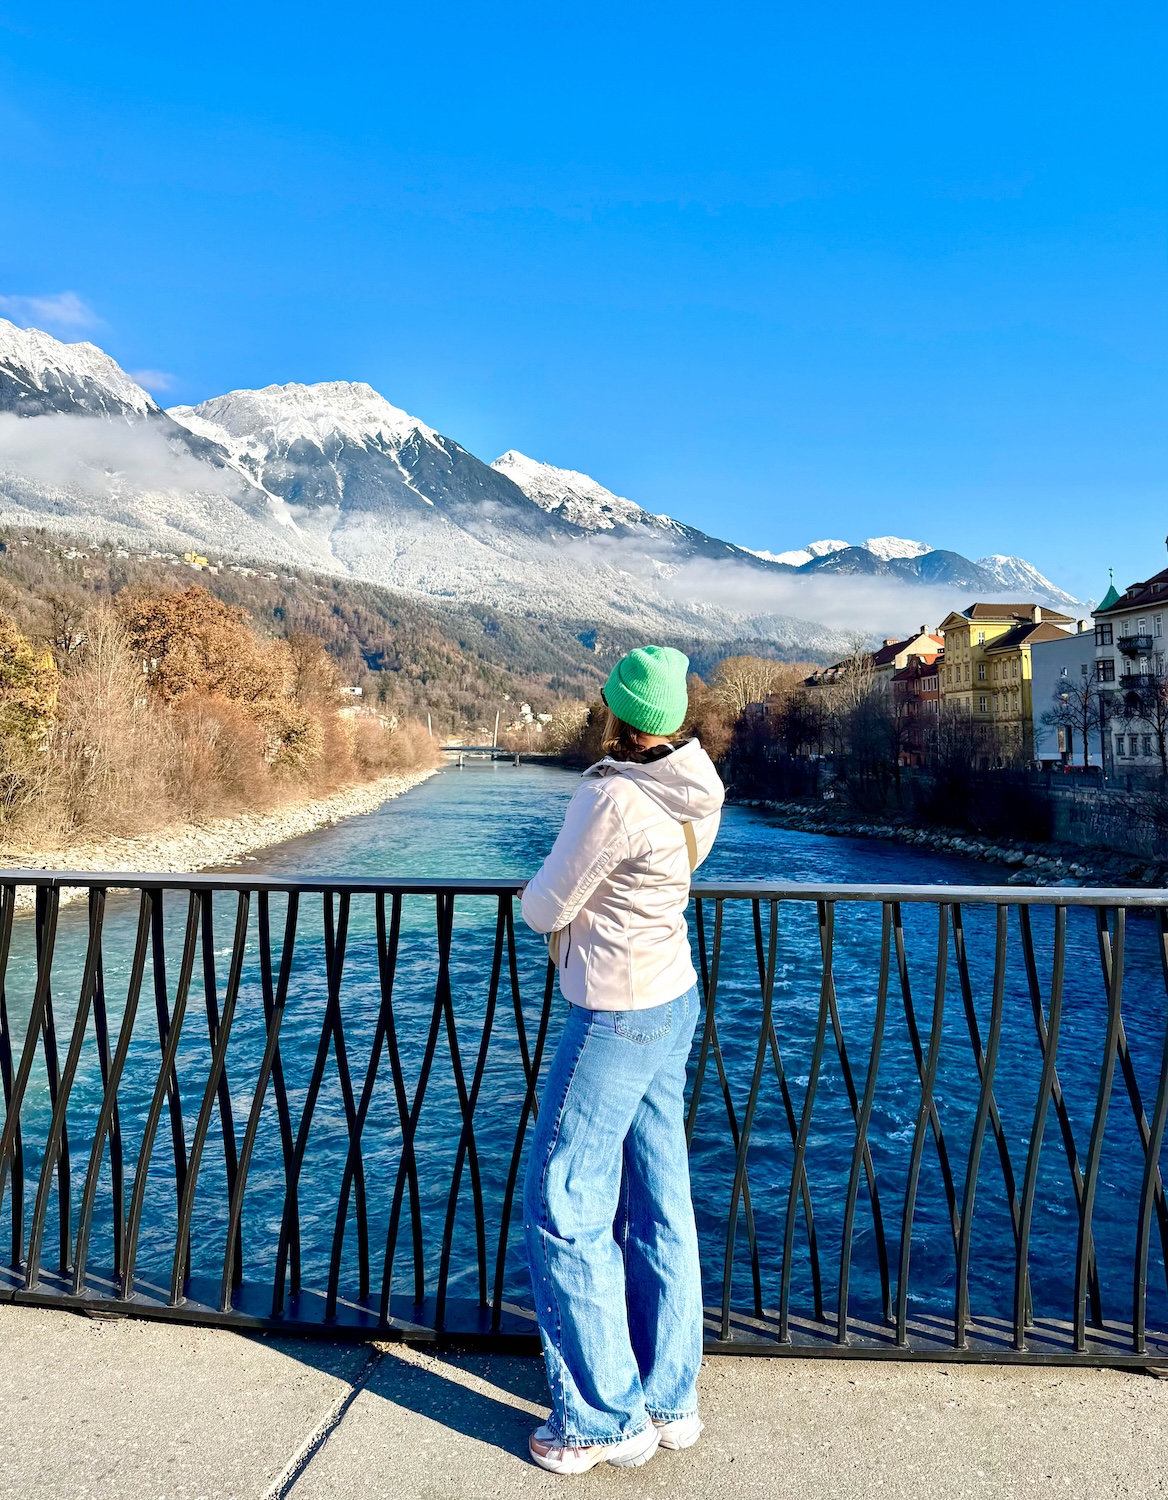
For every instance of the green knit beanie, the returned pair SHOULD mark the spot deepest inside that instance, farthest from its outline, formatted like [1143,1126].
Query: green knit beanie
[646,689]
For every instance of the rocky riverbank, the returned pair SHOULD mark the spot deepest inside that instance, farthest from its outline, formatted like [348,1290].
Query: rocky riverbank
[188,847]
[1035,864]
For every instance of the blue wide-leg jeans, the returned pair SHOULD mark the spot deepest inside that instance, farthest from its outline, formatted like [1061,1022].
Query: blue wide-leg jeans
[611,1238]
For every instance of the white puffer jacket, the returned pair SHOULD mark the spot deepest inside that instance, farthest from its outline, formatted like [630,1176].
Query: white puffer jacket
[616,882]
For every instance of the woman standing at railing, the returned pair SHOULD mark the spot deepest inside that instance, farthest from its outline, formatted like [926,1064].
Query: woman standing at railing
[611,1238]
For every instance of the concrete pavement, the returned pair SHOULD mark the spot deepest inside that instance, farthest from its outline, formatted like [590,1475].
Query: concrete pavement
[147,1411]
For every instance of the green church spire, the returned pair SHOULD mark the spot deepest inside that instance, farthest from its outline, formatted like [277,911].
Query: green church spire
[1111,596]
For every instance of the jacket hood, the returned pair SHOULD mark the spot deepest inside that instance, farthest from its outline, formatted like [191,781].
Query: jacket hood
[684,784]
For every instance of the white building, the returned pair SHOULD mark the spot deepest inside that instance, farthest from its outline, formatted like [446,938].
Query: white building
[1129,662]
[1063,670]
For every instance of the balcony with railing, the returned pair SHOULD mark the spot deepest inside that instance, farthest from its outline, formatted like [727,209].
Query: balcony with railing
[1134,645]
[923,1121]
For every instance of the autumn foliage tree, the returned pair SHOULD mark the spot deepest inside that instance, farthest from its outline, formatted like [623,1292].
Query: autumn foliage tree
[192,644]
[29,686]
[166,705]
[29,689]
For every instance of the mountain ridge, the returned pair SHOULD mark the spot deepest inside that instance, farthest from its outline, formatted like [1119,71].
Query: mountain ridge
[333,476]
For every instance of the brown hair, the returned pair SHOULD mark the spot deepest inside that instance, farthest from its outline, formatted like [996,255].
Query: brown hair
[620,739]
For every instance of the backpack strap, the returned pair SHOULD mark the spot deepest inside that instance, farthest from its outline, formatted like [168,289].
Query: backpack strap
[691,845]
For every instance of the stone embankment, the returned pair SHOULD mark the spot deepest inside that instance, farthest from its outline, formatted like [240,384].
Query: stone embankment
[1035,864]
[184,848]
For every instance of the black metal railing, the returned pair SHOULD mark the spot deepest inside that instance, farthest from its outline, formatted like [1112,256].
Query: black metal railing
[347,1121]
[1133,645]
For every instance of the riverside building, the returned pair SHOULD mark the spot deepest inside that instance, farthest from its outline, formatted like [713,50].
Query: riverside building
[1129,665]
[1065,695]
[987,672]
[916,690]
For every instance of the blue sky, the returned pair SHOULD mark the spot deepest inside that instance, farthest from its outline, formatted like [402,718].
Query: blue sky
[783,271]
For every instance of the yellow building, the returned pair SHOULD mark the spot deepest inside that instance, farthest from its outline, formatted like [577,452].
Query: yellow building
[986,671]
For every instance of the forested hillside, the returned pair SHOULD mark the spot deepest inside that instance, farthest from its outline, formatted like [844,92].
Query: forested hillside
[459,663]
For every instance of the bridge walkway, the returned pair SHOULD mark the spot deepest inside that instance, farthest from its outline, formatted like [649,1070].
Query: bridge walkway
[131,1410]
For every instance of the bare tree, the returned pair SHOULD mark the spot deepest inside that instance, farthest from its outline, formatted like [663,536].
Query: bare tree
[1078,705]
[801,724]
[857,672]
[742,680]
[67,608]
[1149,703]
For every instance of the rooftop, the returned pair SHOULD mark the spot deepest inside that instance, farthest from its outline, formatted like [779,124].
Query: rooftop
[891,649]
[1153,590]
[918,666]
[1028,635]
[997,612]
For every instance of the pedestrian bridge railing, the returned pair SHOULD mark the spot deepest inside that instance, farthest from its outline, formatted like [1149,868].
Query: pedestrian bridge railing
[925,1122]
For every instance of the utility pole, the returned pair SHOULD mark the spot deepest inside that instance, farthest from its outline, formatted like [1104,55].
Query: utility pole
[429,726]
[495,741]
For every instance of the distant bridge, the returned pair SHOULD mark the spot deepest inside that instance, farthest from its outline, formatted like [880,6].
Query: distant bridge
[493,752]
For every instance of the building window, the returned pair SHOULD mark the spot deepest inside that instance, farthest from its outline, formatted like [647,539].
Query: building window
[982,704]
[1082,669]
[1103,634]
[1159,624]
[1106,669]
[981,637]
[1015,671]
[1015,702]
[1124,627]
[1141,627]
[967,671]
[1119,744]
[1148,745]
[981,677]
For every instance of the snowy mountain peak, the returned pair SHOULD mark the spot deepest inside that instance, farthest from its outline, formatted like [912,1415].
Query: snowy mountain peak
[43,374]
[1016,574]
[888,547]
[798,557]
[576,497]
[280,416]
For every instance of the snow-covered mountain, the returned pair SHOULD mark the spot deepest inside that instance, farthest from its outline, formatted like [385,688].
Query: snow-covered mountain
[85,449]
[337,453]
[584,503]
[888,547]
[39,375]
[918,562]
[799,557]
[335,477]
[575,497]
[1016,576]
[377,492]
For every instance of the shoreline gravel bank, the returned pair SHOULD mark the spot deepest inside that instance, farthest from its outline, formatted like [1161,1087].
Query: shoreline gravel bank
[186,848]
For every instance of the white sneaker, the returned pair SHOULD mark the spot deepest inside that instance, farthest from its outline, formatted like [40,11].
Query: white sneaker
[683,1433]
[546,1451]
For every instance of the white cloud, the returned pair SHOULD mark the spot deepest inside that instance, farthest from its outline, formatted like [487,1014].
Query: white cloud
[154,380]
[876,606]
[97,456]
[53,310]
